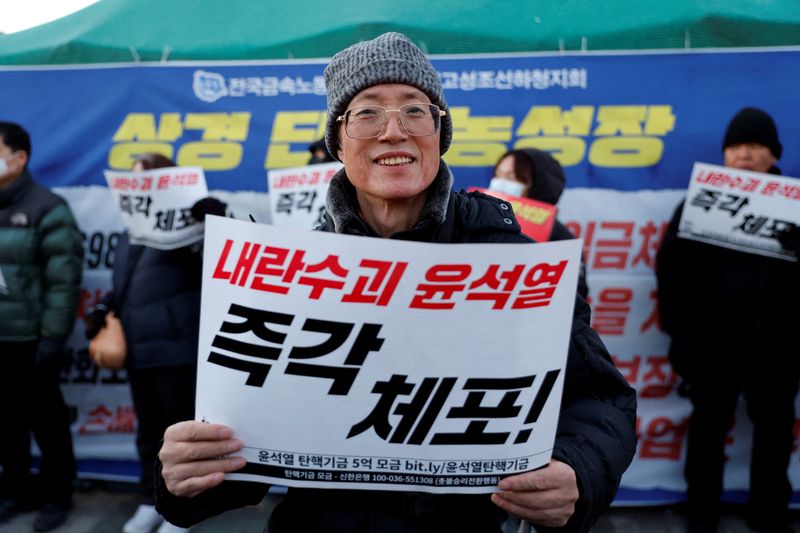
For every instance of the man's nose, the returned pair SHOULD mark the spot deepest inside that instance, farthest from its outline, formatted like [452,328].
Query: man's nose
[742,150]
[393,128]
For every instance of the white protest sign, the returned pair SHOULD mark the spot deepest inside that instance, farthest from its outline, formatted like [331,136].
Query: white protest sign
[297,195]
[357,362]
[156,204]
[740,209]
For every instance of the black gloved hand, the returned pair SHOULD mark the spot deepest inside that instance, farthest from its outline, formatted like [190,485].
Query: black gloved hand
[208,206]
[95,320]
[790,238]
[49,354]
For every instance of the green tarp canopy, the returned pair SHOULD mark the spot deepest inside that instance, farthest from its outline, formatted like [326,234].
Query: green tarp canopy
[158,30]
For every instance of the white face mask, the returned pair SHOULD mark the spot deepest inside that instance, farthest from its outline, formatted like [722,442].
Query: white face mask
[4,163]
[513,188]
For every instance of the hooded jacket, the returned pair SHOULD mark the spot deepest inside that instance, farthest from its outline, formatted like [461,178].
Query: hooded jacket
[41,261]
[596,430]
[548,184]
[157,297]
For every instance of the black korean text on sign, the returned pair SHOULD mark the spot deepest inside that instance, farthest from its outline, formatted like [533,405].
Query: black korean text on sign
[165,220]
[762,226]
[338,332]
[418,415]
[480,414]
[133,204]
[300,200]
[733,203]
[706,199]
[409,412]
[170,220]
[256,321]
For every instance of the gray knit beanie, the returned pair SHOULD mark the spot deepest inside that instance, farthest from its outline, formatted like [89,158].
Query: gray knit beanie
[389,58]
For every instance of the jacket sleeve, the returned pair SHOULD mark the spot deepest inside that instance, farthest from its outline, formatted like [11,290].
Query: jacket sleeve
[672,275]
[596,432]
[561,233]
[61,249]
[185,512]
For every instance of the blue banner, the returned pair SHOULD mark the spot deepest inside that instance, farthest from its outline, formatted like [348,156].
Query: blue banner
[622,121]
[626,127]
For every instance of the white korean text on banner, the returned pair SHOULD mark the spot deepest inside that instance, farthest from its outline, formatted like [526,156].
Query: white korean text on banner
[335,359]
[156,205]
[740,209]
[297,195]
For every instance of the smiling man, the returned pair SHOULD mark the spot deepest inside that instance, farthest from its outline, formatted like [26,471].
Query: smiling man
[389,124]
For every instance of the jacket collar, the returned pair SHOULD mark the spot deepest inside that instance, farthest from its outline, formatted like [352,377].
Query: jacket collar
[342,206]
[10,194]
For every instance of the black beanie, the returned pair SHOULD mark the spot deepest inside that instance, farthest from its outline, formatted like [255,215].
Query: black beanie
[751,125]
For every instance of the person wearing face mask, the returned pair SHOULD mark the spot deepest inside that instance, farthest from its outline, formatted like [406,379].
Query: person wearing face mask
[731,316]
[41,259]
[535,174]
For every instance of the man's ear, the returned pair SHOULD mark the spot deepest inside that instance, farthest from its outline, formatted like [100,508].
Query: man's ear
[22,158]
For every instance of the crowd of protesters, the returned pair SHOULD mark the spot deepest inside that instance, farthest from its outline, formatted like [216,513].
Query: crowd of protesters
[705,292]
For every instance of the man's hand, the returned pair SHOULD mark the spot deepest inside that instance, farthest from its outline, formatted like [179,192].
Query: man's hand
[192,457]
[790,238]
[208,206]
[546,497]
[95,320]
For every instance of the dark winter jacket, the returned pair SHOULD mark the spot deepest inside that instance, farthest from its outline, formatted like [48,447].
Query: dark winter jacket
[548,184]
[41,259]
[713,300]
[156,294]
[596,430]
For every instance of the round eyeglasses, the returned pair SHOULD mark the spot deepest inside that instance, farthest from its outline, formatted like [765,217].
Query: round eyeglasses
[368,121]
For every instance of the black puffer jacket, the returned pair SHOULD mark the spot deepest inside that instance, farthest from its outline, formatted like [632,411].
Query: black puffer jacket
[160,306]
[713,300]
[596,431]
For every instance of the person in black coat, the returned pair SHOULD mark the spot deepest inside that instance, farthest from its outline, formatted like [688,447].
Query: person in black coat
[395,185]
[731,316]
[535,174]
[156,295]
